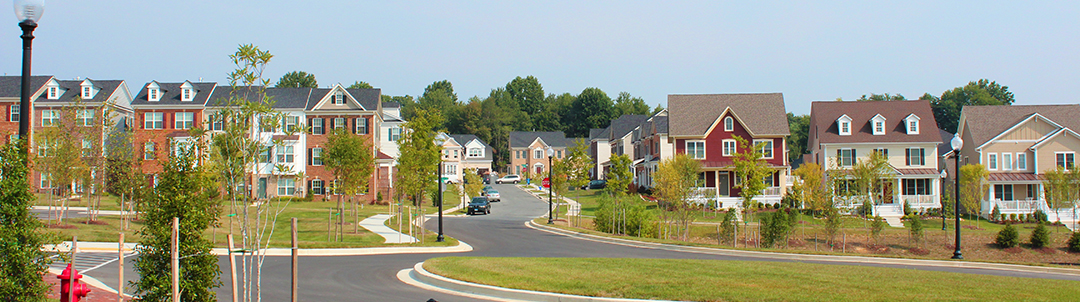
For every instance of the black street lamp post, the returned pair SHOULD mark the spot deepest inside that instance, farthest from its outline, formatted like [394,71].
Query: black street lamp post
[551,191]
[28,12]
[944,174]
[441,184]
[957,143]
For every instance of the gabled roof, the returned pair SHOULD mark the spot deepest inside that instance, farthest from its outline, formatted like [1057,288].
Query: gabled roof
[624,124]
[823,116]
[986,122]
[369,98]
[464,140]
[11,86]
[661,123]
[522,139]
[170,94]
[694,114]
[595,132]
[74,89]
[283,98]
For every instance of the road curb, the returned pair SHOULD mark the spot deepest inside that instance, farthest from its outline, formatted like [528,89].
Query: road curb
[419,277]
[460,248]
[807,257]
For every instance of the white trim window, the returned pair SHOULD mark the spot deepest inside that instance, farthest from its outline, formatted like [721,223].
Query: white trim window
[476,152]
[1006,161]
[316,156]
[1021,161]
[84,117]
[1066,159]
[149,151]
[361,124]
[729,124]
[285,154]
[153,120]
[45,180]
[184,120]
[845,128]
[317,126]
[86,92]
[695,149]
[187,94]
[54,93]
[317,187]
[43,147]
[14,113]
[845,157]
[217,123]
[913,127]
[916,156]
[153,94]
[394,134]
[538,153]
[883,151]
[87,147]
[992,161]
[339,98]
[339,123]
[730,147]
[766,149]
[50,118]
[291,123]
[286,186]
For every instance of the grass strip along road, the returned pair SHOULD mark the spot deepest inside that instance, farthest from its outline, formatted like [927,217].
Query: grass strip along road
[713,280]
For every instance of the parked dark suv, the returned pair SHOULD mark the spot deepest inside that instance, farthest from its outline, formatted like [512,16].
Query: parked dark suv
[479,204]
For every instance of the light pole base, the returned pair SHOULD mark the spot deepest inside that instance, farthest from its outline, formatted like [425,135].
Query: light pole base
[957,255]
[550,221]
[440,238]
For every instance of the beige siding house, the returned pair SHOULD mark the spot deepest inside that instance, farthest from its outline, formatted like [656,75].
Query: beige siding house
[1018,144]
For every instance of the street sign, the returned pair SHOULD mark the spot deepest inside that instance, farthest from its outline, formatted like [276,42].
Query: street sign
[546,183]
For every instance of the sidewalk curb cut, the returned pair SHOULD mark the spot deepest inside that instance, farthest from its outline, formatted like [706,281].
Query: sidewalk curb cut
[807,257]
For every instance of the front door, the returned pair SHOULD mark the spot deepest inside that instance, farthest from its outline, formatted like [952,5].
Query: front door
[722,184]
[262,188]
[887,192]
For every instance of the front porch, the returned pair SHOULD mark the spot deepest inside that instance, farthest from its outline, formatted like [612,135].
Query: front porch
[711,197]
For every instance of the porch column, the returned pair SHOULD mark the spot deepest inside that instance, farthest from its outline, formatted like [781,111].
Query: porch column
[716,188]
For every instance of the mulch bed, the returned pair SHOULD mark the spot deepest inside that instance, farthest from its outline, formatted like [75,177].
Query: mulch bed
[1014,250]
[919,251]
[60,226]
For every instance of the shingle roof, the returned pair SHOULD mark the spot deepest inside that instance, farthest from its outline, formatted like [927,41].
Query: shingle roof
[369,98]
[283,98]
[945,146]
[624,124]
[693,114]
[823,116]
[661,123]
[466,138]
[11,86]
[170,94]
[522,139]
[391,104]
[74,88]
[986,122]
[595,132]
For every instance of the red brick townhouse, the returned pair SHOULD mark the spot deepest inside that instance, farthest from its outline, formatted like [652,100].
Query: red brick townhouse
[165,113]
[703,126]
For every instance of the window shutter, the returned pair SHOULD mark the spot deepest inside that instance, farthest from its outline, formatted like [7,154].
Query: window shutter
[854,156]
[907,156]
[367,125]
[309,158]
[356,124]
[309,187]
[311,124]
[839,157]
[922,156]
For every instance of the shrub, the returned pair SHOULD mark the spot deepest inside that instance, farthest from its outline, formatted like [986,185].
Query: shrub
[640,222]
[866,209]
[915,227]
[1012,217]
[996,214]
[774,229]
[1008,237]
[1028,218]
[832,223]
[1040,216]
[907,209]
[727,227]
[1074,243]
[1040,237]
[876,227]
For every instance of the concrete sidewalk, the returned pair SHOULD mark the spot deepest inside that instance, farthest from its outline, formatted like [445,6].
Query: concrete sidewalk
[573,207]
[377,224]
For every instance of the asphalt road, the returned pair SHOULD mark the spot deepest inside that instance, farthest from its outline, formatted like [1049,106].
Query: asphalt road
[501,234]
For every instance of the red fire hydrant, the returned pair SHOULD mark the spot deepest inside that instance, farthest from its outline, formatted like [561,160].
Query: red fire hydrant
[65,279]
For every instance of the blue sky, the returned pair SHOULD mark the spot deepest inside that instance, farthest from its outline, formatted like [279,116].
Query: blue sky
[808,50]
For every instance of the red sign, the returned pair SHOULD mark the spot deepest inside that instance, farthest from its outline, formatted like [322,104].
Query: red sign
[546,183]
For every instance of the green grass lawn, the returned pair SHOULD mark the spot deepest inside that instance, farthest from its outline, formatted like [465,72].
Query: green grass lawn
[714,280]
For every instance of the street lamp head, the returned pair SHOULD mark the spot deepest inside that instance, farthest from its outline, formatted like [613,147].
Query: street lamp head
[29,10]
[550,152]
[957,143]
[944,173]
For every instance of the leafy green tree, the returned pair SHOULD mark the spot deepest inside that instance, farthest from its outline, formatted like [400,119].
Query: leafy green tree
[973,186]
[815,191]
[947,108]
[876,227]
[419,155]
[185,190]
[527,93]
[1040,237]
[774,229]
[627,104]
[832,223]
[577,164]
[675,184]
[619,175]
[473,183]
[349,157]
[297,79]
[23,262]
[750,169]
[1008,237]
[729,226]
[657,109]
[591,109]
[915,228]
[1062,188]
[796,142]
[881,97]
[868,176]
[360,85]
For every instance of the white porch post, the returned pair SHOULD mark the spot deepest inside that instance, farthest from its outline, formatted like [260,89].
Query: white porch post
[716,188]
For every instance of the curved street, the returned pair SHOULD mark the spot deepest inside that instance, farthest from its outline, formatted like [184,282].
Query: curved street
[501,234]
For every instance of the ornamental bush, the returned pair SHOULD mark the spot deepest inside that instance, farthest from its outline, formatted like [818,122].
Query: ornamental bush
[996,215]
[1074,243]
[1040,237]
[1008,237]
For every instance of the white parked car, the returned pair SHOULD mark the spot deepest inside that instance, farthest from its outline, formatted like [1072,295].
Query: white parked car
[509,179]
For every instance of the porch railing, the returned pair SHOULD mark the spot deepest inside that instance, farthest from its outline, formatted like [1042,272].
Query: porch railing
[771,191]
[920,201]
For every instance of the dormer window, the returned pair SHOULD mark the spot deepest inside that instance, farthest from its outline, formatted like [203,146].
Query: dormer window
[729,124]
[843,125]
[187,92]
[154,95]
[54,93]
[153,92]
[339,98]
[912,124]
[878,123]
[88,90]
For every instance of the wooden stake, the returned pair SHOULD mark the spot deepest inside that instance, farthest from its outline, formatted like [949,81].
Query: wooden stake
[295,254]
[232,268]
[329,222]
[71,275]
[175,259]
[120,263]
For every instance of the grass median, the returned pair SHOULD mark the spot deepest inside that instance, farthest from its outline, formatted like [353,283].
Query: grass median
[715,280]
